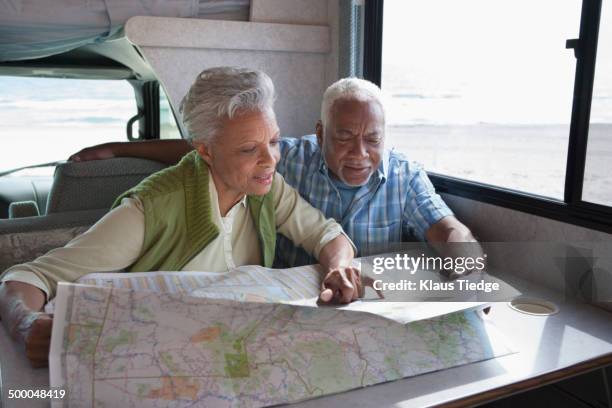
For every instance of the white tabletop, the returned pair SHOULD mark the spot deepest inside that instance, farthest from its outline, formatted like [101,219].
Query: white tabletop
[577,334]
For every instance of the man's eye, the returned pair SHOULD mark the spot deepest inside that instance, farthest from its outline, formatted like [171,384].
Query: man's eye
[274,142]
[249,150]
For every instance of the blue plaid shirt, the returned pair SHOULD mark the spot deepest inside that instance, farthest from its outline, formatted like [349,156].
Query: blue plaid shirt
[397,204]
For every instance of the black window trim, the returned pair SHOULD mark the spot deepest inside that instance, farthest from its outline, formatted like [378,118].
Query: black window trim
[572,210]
[152,110]
[147,105]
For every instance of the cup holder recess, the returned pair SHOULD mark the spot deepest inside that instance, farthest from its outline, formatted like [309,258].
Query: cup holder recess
[533,306]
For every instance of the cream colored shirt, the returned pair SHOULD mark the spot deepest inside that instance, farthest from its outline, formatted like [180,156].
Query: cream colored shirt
[115,242]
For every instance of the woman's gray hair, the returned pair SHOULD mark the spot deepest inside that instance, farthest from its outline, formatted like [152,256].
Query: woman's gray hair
[352,89]
[220,93]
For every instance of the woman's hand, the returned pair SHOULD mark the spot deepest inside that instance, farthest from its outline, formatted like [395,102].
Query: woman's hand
[35,330]
[20,309]
[341,285]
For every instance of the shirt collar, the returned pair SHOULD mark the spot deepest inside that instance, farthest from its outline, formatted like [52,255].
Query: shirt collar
[243,202]
[322,165]
[384,166]
[214,196]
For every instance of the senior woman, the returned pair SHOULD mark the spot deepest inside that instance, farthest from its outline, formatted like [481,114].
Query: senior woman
[219,207]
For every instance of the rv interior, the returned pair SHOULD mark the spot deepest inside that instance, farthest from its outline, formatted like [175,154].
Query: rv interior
[562,357]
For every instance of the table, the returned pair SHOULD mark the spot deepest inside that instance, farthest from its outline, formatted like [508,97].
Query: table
[575,340]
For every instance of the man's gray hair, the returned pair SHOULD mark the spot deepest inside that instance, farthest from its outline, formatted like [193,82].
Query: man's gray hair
[219,94]
[352,89]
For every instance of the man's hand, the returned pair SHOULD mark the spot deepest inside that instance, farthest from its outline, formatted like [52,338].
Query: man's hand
[99,152]
[341,285]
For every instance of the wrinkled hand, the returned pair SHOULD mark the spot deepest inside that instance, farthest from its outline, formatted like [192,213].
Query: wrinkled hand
[34,330]
[38,340]
[99,152]
[341,285]
[20,309]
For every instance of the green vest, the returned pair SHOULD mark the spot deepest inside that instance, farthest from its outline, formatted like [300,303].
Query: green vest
[178,219]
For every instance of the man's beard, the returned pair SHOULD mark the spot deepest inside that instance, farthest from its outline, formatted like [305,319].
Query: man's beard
[342,179]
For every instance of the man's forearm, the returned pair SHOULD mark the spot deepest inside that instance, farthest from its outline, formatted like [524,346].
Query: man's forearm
[165,151]
[450,238]
[455,234]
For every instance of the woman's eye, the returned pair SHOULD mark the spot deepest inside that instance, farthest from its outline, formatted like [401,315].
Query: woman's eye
[274,142]
[249,150]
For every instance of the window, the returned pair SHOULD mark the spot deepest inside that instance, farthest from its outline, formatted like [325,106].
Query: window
[502,126]
[482,90]
[47,119]
[167,124]
[597,186]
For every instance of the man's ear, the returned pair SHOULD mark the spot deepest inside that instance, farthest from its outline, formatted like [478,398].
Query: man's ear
[319,132]
[204,151]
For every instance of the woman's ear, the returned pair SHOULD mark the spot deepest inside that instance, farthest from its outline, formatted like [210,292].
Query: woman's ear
[204,151]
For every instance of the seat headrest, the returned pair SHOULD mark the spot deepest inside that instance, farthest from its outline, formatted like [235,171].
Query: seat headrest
[96,184]
[20,209]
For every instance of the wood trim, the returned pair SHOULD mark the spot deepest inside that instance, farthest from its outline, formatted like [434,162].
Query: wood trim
[530,383]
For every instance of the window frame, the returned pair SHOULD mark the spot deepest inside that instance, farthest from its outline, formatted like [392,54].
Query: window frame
[572,210]
[148,96]
[177,122]
[148,110]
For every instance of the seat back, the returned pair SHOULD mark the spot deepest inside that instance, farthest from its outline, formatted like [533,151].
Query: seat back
[23,188]
[82,192]
[24,239]
[96,184]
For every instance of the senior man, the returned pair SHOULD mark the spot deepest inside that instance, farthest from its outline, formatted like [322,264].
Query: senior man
[378,196]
